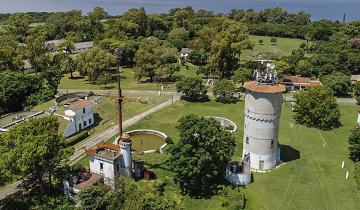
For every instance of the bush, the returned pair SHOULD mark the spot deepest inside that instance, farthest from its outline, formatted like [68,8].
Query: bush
[339,82]
[261,42]
[354,145]
[77,138]
[357,174]
[193,88]
[224,91]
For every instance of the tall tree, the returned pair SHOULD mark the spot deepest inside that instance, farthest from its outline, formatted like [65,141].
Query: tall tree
[339,82]
[137,16]
[37,52]
[178,37]
[18,24]
[192,88]
[35,152]
[317,107]
[199,159]
[224,91]
[94,62]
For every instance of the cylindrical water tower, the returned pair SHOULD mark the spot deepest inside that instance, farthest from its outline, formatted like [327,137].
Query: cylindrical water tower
[262,115]
[125,147]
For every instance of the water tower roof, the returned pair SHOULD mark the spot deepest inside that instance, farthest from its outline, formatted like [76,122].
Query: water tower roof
[264,88]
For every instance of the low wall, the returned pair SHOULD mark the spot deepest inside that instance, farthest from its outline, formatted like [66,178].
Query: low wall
[151,132]
[224,122]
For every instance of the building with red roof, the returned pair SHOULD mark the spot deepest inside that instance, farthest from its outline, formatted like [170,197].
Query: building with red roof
[298,83]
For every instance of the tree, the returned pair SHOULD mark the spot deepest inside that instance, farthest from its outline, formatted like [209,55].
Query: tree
[94,62]
[104,79]
[52,77]
[226,47]
[242,75]
[282,68]
[354,145]
[192,88]
[69,66]
[178,37]
[261,42]
[128,195]
[317,107]
[339,82]
[155,59]
[224,91]
[199,159]
[273,40]
[137,16]
[357,92]
[93,197]
[34,152]
[18,24]
[36,52]
[304,68]
[10,58]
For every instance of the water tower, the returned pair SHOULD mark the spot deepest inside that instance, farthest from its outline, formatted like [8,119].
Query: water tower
[262,115]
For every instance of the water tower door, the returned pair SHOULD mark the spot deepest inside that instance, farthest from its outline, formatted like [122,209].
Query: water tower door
[261,165]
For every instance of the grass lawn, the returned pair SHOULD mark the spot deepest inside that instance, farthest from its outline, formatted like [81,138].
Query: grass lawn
[128,81]
[310,179]
[105,110]
[283,47]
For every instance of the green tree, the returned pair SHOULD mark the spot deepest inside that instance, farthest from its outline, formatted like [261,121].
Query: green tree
[92,198]
[94,62]
[52,77]
[339,82]
[317,107]
[192,88]
[226,47]
[178,37]
[304,68]
[104,79]
[18,24]
[282,68]
[34,152]
[137,16]
[10,58]
[357,92]
[69,65]
[200,157]
[155,59]
[242,75]
[354,145]
[224,91]
[37,52]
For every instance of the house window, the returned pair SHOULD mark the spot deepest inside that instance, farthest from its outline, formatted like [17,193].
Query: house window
[117,167]
[89,121]
[84,110]
[101,166]
[84,123]
[247,140]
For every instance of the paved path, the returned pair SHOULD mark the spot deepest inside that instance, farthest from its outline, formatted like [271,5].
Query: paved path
[93,140]
[339,100]
[103,92]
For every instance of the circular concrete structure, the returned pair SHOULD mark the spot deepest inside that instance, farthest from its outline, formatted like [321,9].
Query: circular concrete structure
[225,123]
[261,124]
[148,135]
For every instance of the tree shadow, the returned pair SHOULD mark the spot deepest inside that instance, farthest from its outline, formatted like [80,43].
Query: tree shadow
[288,153]
[200,99]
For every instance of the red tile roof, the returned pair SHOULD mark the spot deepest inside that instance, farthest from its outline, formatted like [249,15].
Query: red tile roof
[80,104]
[102,146]
[253,86]
[295,79]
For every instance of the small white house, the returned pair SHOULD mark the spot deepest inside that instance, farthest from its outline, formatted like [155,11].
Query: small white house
[185,52]
[80,116]
[358,119]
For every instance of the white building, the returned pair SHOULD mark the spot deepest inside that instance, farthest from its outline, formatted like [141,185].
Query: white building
[80,116]
[262,115]
[185,52]
[107,162]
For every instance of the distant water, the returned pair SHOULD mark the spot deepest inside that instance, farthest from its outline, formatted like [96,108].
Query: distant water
[330,9]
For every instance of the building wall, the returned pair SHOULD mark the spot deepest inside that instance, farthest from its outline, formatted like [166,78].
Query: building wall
[79,121]
[109,168]
[261,128]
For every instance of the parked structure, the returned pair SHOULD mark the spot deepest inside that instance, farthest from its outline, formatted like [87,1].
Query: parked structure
[80,116]
[262,114]
[355,79]
[185,52]
[298,83]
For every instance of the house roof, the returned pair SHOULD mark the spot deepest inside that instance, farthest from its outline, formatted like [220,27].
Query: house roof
[295,79]
[255,87]
[301,81]
[79,104]
[355,77]
[103,149]
[185,50]
[83,45]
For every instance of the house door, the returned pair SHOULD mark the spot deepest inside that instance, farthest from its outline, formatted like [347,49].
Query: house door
[261,165]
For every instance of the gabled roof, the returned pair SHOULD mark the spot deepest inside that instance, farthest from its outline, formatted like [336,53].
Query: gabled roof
[79,104]
[185,50]
[295,79]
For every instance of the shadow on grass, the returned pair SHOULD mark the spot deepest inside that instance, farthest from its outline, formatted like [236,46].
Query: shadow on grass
[288,153]
[200,99]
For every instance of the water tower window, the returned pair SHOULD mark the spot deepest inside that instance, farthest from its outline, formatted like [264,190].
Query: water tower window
[101,166]
[272,142]
[84,110]
[247,140]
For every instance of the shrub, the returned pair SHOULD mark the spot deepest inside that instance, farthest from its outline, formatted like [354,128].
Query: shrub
[261,42]
[193,88]
[357,174]
[77,138]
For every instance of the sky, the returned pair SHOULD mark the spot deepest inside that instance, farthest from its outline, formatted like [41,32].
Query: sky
[329,9]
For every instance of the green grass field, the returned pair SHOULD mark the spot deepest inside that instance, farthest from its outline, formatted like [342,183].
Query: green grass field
[283,47]
[128,81]
[314,180]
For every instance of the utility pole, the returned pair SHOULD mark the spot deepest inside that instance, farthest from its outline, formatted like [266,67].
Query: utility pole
[118,54]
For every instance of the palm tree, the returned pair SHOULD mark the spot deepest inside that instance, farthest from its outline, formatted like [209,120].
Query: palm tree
[70,66]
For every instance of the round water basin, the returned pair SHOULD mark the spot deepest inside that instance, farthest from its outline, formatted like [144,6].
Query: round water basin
[148,141]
